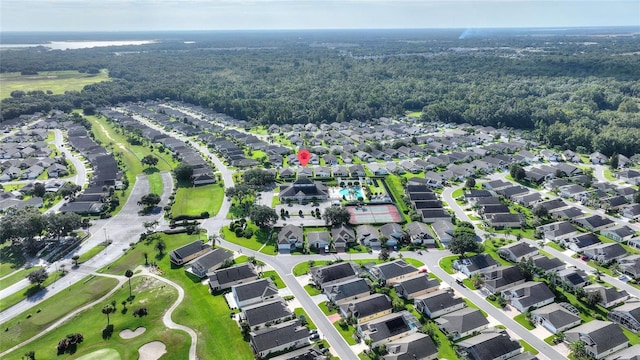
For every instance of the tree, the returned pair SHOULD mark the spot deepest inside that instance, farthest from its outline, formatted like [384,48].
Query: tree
[160,246]
[149,201]
[149,160]
[614,161]
[463,243]
[258,177]
[636,197]
[61,224]
[150,226]
[477,280]
[540,211]
[183,172]
[517,172]
[107,310]
[384,254]
[37,277]
[336,215]
[263,216]
[470,183]
[527,268]
[75,259]
[129,274]
[38,189]
[593,298]
[578,348]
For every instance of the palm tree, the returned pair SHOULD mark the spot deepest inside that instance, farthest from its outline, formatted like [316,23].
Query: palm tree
[578,349]
[161,246]
[260,266]
[477,280]
[108,309]
[129,274]
[75,259]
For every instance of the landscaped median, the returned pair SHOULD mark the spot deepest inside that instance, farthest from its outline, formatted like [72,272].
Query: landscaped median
[16,297]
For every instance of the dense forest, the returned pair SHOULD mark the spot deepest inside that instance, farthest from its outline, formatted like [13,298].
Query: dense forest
[573,90]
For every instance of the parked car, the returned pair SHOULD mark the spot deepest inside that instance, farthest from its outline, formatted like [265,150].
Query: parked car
[314,337]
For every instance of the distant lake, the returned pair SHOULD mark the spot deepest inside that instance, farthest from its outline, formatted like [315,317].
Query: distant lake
[71,45]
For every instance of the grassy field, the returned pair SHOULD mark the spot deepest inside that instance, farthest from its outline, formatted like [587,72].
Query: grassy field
[259,240]
[135,255]
[56,81]
[16,276]
[446,263]
[193,201]
[91,253]
[23,327]
[275,277]
[11,258]
[150,293]
[16,297]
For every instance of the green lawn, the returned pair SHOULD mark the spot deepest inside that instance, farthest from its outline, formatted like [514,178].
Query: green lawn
[16,276]
[397,190]
[91,253]
[193,201]
[446,263]
[150,293]
[16,297]
[300,311]
[208,316]
[415,262]
[457,193]
[135,255]
[325,309]
[11,258]
[22,328]
[346,332]
[311,290]
[522,320]
[259,238]
[525,345]
[275,277]
[56,81]
[155,182]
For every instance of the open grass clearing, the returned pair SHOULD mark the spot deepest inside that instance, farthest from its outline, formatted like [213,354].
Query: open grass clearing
[91,253]
[347,332]
[193,201]
[16,277]
[16,297]
[22,327]
[135,255]
[11,258]
[260,241]
[148,292]
[522,320]
[446,263]
[56,81]
[273,275]
[311,290]
[300,312]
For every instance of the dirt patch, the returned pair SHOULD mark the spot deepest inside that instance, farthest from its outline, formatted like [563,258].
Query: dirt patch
[152,351]
[128,334]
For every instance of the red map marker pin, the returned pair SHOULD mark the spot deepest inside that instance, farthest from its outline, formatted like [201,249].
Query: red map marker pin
[304,156]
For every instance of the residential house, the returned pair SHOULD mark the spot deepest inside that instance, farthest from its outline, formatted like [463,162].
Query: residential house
[631,212]
[186,253]
[254,292]
[605,253]
[573,278]
[319,240]
[529,295]
[347,290]
[475,264]
[342,235]
[278,337]
[222,279]
[601,338]
[367,308]
[368,236]
[501,278]
[327,275]
[392,272]
[303,190]
[444,231]
[211,261]
[597,158]
[416,286]
[438,303]
[388,328]
[630,265]
[419,234]
[627,315]
[594,222]
[517,251]
[393,232]
[289,238]
[488,346]
[620,233]
[266,313]
[629,353]
[556,317]
[461,323]
[557,231]
[546,264]
[579,242]
[416,346]
[505,220]
[609,296]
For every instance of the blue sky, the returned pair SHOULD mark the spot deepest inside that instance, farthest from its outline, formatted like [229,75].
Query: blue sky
[133,15]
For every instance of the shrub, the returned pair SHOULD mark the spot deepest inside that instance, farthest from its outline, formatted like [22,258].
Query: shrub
[141,311]
[248,233]
[204,214]
[239,232]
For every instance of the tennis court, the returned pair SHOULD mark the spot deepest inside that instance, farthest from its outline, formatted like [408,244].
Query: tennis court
[374,214]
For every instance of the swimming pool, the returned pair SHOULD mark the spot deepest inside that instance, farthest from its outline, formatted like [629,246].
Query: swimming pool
[352,193]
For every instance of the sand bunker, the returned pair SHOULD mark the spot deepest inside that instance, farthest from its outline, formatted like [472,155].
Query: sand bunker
[102,354]
[152,351]
[128,334]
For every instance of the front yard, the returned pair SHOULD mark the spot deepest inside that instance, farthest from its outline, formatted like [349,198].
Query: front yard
[194,201]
